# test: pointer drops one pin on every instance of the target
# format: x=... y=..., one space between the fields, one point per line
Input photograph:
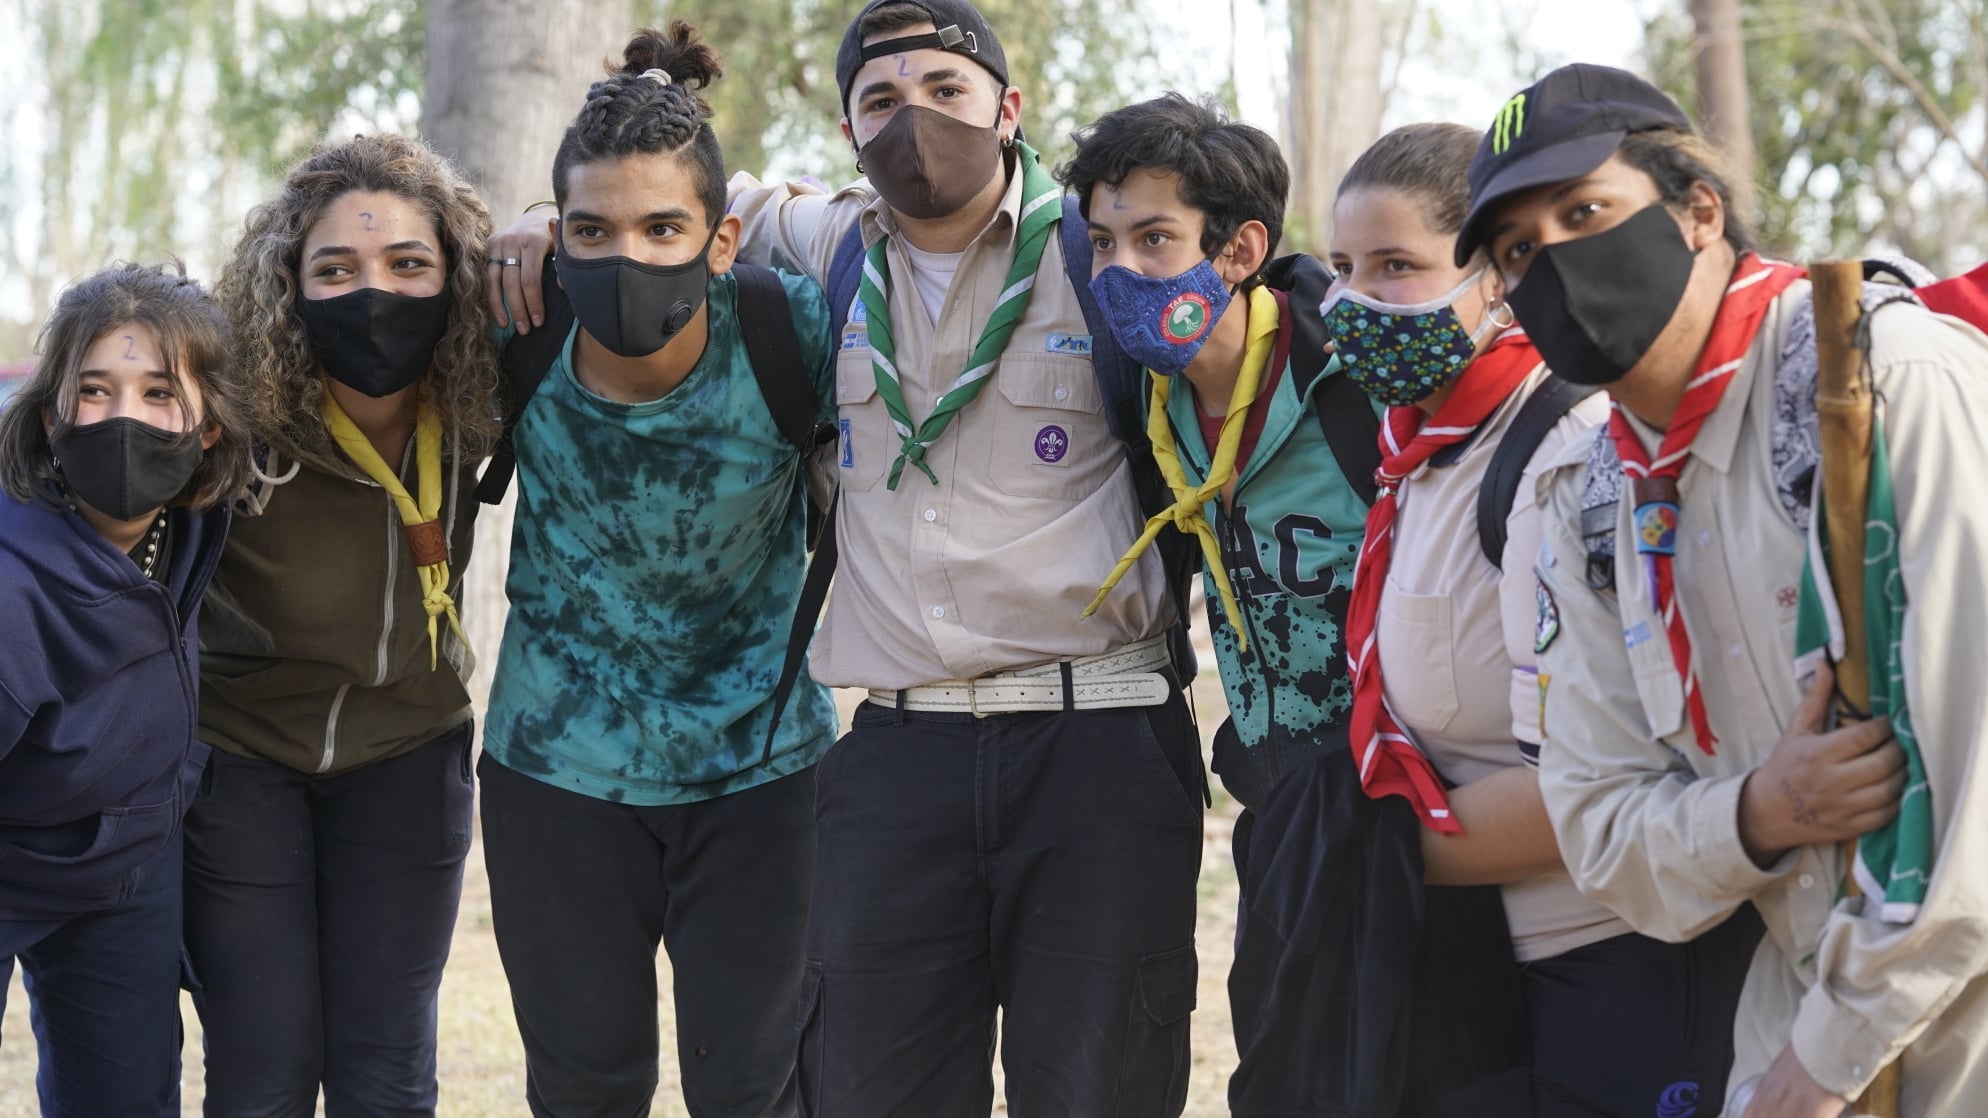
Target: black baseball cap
x=960 y=28
x=1560 y=127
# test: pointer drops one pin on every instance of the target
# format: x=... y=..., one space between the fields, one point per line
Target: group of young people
x=1503 y=510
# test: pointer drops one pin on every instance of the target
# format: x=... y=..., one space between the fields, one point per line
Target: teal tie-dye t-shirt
x=655 y=564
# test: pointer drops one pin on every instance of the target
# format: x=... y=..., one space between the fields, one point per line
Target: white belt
x=1126 y=677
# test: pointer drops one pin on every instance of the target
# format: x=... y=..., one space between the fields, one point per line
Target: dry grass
x=482 y=1064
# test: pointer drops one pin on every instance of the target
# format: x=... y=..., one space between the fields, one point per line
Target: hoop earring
x=1492 y=313
x=1007 y=141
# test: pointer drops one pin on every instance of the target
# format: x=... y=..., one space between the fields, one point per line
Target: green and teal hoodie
x=1290 y=537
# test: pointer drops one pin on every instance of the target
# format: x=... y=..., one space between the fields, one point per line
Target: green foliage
x=777 y=107
x=1854 y=104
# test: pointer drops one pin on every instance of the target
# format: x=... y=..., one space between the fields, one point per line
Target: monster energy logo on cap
x=1511 y=121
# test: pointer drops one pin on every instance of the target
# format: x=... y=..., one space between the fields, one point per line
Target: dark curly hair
x=632 y=112
x=1230 y=171
x=276 y=370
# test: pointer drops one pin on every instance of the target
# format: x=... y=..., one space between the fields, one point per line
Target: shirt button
x=939 y=611
x=1062 y=393
x=931 y=515
x=1736 y=651
x=1704 y=538
x=1807 y=881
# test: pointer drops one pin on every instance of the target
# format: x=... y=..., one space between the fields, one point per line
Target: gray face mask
x=126 y=468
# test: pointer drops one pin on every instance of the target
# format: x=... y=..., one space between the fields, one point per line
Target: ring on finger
x=509 y=262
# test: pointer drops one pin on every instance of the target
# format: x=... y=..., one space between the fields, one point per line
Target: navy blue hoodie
x=99 y=693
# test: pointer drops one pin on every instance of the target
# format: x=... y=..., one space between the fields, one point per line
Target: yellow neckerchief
x=1186 y=513
x=418 y=518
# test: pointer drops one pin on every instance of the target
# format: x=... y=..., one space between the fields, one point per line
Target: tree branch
x=1928 y=104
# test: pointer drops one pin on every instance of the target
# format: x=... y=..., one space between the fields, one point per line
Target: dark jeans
x=581 y=892
x=1044 y=864
x=103 y=999
x=1633 y=1026
x=319 y=913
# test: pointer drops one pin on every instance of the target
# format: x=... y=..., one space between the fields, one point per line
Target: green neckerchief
x=1040 y=213
x=1893 y=861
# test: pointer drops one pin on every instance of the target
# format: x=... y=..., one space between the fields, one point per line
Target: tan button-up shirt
x=1456 y=637
x=987 y=570
x=1649 y=823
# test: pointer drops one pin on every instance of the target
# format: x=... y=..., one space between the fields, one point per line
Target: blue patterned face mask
x=1161 y=323
x=1400 y=354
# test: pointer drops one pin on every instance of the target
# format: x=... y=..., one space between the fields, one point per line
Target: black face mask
x=374 y=341
x=632 y=308
x=126 y=468
x=1594 y=306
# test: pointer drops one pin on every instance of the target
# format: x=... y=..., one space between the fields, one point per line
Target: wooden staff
x=1843 y=406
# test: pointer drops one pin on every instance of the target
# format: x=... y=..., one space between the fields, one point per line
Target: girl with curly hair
x=116 y=461
x=324 y=853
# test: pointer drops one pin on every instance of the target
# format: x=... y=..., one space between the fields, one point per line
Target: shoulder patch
x=1547 y=626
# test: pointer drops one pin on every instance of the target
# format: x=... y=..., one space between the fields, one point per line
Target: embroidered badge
x=856 y=339
x=1656 y=528
x=1787 y=598
x=1636 y=634
x=848 y=445
x=1185 y=318
x=1548 y=625
x=856 y=312
x=1052 y=443
x=1076 y=345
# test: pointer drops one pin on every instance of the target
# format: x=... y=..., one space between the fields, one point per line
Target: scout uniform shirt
x=1458 y=637
x=1648 y=823
x=989 y=569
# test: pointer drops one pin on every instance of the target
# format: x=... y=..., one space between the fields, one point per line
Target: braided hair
x=649 y=104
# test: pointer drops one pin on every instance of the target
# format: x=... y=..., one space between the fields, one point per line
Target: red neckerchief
x=1653 y=484
x=1390 y=764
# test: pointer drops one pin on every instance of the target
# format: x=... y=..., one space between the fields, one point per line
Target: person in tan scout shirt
x=1686 y=772
x=1028 y=841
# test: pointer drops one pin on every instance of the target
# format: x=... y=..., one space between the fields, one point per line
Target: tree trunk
x=1720 y=57
x=504 y=79
x=1336 y=103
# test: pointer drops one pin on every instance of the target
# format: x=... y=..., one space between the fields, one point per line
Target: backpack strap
x=845 y=275
x=1346 y=415
x=1551 y=401
x=807 y=611
x=1121 y=381
x=525 y=361
x=766 y=323
x=777 y=363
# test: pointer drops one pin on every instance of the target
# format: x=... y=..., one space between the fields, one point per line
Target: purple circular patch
x=1052 y=443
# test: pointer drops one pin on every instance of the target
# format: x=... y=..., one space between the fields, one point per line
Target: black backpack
x=785 y=382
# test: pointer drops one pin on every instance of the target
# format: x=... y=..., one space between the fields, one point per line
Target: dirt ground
x=482 y=1065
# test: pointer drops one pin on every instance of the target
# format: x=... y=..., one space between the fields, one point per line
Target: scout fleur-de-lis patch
x=1185 y=318
x=1511 y=121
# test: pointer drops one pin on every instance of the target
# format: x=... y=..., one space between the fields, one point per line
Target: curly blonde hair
x=277 y=373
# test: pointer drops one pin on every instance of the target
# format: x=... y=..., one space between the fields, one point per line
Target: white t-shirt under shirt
x=931 y=276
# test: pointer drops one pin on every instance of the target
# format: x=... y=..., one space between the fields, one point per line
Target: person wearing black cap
x=1686 y=770
x=1014 y=821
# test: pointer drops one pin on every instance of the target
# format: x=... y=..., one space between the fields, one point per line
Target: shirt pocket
x=1417 y=668
x=1049 y=437
x=1657 y=683
x=865 y=441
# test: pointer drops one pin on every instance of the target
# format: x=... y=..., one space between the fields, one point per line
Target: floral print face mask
x=1400 y=354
